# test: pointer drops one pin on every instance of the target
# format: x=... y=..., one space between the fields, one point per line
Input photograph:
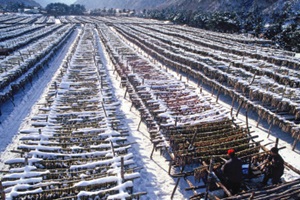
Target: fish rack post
x=177 y=183
x=2 y=191
x=296 y=141
x=209 y=178
x=122 y=169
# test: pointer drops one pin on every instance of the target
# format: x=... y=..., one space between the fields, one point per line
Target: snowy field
x=153 y=173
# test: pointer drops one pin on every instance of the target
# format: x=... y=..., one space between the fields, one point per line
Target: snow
x=107 y=179
x=154 y=177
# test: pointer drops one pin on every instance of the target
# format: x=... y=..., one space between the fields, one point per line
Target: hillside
x=128 y=4
x=266 y=6
x=10 y=3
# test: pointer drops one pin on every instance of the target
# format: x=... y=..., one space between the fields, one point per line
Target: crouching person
x=273 y=168
x=232 y=171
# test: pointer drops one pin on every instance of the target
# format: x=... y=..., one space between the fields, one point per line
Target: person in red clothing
x=274 y=167
x=232 y=170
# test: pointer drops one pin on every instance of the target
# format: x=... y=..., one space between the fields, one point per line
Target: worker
x=273 y=169
x=232 y=171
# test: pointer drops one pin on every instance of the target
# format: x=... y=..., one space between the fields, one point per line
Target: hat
x=230 y=151
x=274 y=150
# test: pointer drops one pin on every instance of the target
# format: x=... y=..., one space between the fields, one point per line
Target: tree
x=76 y=9
x=57 y=9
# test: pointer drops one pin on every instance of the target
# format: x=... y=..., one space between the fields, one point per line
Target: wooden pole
x=139 y=124
x=209 y=178
x=295 y=142
x=122 y=169
x=103 y=109
x=258 y=120
x=152 y=152
x=276 y=142
x=112 y=148
x=269 y=130
x=247 y=121
x=232 y=104
x=240 y=106
x=212 y=91
x=253 y=79
x=218 y=94
x=176 y=185
x=125 y=93
x=2 y=191
x=170 y=167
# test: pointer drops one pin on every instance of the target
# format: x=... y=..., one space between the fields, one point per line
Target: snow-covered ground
x=154 y=178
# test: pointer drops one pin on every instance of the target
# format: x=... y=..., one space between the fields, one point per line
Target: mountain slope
x=265 y=6
x=128 y=4
x=7 y=3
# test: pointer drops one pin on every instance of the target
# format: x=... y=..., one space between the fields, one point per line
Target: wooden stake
x=253 y=79
x=227 y=70
x=240 y=106
x=176 y=185
x=152 y=152
x=122 y=169
x=269 y=130
x=218 y=94
x=295 y=142
x=125 y=93
x=282 y=95
x=276 y=142
x=247 y=121
x=258 y=120
x=103 y=109
x=139 y=124
x=232 y=104
x=2 y=191
x=112 y=148
x=209 y=178
x=131 y=106
x=170 y=167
